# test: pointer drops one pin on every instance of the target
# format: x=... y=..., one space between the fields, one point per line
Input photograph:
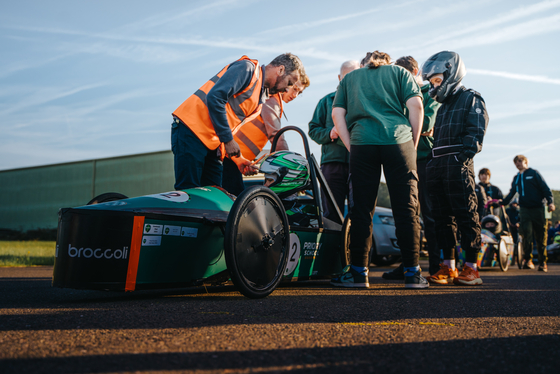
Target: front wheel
x=106 y=197
x=257 y=239
x=503 y=255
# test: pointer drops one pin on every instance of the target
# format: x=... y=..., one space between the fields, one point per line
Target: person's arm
x=318 y=130
x=430 y=114
x=547 y=193
x=234 y=80
x=271 y=113
x=339 y=119
x=476 y=124
x=415 y=116
x=511 y=194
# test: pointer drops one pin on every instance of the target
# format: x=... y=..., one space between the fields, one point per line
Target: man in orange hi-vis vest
x=204 y=125
x=253 y=135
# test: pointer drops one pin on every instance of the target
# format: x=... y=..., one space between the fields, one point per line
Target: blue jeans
x=195 y=165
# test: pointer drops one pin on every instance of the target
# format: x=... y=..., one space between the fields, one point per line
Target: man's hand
x=232 y=149
x=333 y=134
x=551 y=208
x=430 y=132
x=245 y=166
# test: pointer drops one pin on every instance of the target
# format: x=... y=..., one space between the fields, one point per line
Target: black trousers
x=232 y=179
x=336 y=174
x=429 y=223
x=399 y=168
x=451 y=186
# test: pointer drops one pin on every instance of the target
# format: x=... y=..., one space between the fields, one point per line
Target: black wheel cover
x=503 y=255
x=106 y=197
x=257 y=240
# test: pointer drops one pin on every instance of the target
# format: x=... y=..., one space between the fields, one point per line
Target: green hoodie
x=320 y=128
x=425 y=144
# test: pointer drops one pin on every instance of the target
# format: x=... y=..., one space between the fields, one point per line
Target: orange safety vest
x=240 y=108
x=252 y=136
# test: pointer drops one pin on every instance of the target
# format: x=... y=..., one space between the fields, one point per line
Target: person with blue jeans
x=369 y=119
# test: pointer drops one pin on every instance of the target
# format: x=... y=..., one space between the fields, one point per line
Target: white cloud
x=521 y=77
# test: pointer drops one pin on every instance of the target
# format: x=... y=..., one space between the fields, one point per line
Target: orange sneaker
x=468 y=277
x=444 y=276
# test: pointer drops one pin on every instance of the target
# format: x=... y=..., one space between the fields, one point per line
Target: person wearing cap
x=532 y=190
x=334 y=156
x=253 y=135
x=459 y=130
x=204 y=125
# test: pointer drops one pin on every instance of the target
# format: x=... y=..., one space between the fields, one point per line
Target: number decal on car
x=293 y=258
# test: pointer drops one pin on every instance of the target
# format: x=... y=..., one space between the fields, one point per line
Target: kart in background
x=498 y=247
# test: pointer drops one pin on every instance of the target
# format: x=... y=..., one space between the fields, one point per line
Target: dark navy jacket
x=532 y=190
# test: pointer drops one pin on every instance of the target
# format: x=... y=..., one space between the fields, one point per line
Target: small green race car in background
x=202 y=236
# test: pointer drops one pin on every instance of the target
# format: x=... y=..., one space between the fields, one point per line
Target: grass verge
x=27 y=253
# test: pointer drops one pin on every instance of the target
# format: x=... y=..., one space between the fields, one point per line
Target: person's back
x=376 y=100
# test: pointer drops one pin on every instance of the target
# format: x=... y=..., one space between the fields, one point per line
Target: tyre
x=257 y=242
x=503 y=255
x=518 y=253
x=381 y=260
x=106 y=197
x=345 y=245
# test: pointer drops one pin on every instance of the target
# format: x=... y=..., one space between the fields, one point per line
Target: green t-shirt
x=374 y=100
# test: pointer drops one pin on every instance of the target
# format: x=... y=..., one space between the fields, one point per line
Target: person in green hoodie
x=425 y=144
x=334 y=156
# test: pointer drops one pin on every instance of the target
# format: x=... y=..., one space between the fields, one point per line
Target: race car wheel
x=257 y=242
x=345 y=245
x=503 y=255
x=106 y=197
x=518 y=253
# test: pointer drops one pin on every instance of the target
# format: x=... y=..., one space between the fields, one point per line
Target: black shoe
x=395 y=274
x=528 y=264
x=543 y=267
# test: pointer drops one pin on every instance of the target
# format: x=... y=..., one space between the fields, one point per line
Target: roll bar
x=315 y=174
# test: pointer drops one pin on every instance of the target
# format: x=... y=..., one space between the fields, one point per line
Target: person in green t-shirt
x=424 y=149
x=334 y=156
x=368 y=112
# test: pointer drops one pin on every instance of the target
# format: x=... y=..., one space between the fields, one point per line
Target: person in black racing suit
x=460 y=126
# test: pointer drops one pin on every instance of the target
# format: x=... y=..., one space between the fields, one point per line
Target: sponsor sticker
x=293 y=259
x=150 y=228
x=173 y=196
x=311 y=249
x=99 y=253
x=151 y=241
x=172 y=230
x=189 y=232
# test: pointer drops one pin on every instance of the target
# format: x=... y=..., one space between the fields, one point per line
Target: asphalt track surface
x=510 y=324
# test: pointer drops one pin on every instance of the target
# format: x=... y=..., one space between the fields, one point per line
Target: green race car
x=205 y=235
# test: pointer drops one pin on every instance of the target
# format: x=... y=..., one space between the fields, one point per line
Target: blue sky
x=92 y=79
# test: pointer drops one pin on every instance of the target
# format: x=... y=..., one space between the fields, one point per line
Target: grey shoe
x=415 y=281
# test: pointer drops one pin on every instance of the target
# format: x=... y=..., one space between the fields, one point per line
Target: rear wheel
x=106 y=197
x=257 y=240
x=518 y=252
x=503 y=255
x=345 y=245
